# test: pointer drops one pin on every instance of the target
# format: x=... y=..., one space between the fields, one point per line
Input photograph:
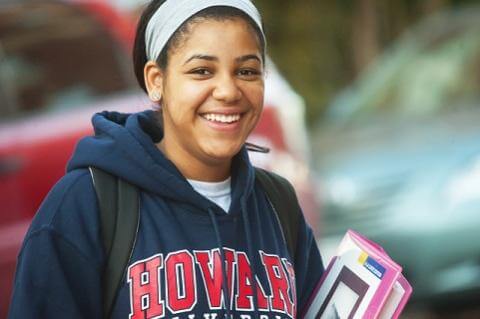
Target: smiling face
x=212 y=96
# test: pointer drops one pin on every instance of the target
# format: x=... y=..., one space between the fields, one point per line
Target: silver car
x=398 y=156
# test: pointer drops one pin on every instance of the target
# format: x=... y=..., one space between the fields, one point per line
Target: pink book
x=361 y=282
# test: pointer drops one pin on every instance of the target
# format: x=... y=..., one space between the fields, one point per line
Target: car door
x=55 y=59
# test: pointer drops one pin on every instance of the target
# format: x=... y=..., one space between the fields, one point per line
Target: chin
x=222 y=152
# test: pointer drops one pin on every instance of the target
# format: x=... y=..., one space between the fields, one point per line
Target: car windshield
x=55 y=56
x=424 y=76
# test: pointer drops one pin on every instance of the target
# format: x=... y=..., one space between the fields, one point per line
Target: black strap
x=119 y=215
x=284 y=201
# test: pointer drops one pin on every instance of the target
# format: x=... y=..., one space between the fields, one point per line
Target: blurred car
x=398 y=157
x=62 y=61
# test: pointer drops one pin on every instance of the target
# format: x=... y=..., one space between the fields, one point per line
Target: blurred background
x=372 y=111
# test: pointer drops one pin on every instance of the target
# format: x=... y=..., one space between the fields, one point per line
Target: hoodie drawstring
x=223 y=262
x=250 y=252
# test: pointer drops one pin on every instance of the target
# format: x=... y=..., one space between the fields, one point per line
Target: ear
x=153 y=77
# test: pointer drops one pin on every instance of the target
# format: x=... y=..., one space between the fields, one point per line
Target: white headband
x=173 y=13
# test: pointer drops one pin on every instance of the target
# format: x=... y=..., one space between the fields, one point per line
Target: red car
x=60 y=62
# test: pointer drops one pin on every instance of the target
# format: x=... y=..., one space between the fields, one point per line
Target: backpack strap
x=285 y=204
x=118 y=202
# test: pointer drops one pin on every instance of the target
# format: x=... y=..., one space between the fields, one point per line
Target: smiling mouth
x=222 y=118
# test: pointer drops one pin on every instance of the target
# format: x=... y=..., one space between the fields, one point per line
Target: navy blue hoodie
x=176 y=267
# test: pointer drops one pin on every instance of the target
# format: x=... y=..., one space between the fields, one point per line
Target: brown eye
x=201 y=72
x=249 y=73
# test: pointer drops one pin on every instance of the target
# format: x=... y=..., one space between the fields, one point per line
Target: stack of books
x=361 y=282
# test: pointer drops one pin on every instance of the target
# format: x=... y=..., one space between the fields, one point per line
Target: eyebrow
x=248 y=57
x=213 y=58
x=201 y=57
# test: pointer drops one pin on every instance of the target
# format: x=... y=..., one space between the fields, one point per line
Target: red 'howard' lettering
x=279 y=284
x=245 y=286
x=210 y=267
x=144 y=281
x=212 y=277
x=293 y=288
x=180 y=281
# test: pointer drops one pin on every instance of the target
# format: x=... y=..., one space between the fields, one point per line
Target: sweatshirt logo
x=179 y=275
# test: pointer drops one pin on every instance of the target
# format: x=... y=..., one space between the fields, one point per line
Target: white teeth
x=222 y=118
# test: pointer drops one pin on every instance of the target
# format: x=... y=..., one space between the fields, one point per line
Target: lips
x=222 y=118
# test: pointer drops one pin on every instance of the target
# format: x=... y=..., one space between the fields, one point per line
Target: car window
x=54 y=55
x=438 y=78
x=436 y=72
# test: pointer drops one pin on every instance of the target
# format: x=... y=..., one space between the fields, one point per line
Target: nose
x=227 y=90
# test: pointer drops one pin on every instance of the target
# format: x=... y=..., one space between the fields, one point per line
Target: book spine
x=381 y=295
x=408 y=291
x=314 y=294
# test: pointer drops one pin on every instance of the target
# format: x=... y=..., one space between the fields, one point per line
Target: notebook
x=360 y=282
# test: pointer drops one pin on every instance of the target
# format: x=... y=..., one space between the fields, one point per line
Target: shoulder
x=72 y=192
x=277 y=188
x=263 y=174
x=70 y=212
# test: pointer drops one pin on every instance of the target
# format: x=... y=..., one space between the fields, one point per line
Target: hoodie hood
x=124 y=145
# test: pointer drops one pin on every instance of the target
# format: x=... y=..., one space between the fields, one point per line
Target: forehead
x=213 y=34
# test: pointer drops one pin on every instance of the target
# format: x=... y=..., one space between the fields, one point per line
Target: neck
x=192 y=167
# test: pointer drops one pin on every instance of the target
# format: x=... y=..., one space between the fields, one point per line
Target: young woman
x=209 y=243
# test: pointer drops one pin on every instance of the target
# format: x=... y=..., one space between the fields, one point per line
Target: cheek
x=184 y=100
x=190 y=91
x=255 y=96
